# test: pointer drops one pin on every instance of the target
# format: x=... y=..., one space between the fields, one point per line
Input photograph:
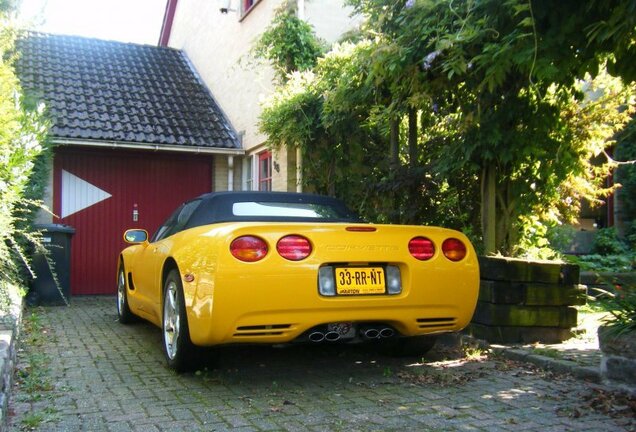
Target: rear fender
x=195 y=255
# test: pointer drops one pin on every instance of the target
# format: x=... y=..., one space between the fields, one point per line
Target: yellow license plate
x=360 y=280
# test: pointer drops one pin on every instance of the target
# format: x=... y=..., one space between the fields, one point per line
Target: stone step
x=514 y=334
x=516 y=270
x=532 y=294
x=533 y=316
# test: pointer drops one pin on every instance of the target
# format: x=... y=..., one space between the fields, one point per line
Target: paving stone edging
x=9 y=331
x=587 y=373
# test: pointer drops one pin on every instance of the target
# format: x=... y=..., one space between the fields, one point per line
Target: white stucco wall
x=218 y=45
x=330 y=18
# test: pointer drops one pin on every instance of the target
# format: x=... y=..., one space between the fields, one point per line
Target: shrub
x=22 y=138
x=604 y=263
x=606 y=242
x=621 y=304
x=561 y=236
x=630 y=235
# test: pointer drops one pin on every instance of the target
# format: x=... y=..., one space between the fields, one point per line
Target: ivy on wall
x=288 y=43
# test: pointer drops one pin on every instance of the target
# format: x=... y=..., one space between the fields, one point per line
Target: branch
x=613 y=161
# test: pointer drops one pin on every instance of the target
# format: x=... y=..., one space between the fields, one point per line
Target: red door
x=103 y=193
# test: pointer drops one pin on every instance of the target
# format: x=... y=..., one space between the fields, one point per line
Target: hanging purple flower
x=427 y=63
x=409 y=4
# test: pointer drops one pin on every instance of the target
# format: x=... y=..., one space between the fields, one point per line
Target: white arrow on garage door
x=78 y=194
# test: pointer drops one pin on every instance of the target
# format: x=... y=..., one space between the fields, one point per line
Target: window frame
x=264 y=178
x=247 y=6
x=249 y=178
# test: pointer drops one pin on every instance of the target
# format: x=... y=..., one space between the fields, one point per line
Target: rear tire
x=124 y=315
x=409 y=346
x=176 y=335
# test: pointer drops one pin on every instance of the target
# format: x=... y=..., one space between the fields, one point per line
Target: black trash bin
x=56 y=238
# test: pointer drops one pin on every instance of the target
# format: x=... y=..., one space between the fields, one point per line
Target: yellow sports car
x=267 y=267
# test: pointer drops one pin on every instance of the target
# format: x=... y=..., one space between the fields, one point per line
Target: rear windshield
x=285 y=209
x=270 y=207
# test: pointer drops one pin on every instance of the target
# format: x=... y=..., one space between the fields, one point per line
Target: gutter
x=152 y=147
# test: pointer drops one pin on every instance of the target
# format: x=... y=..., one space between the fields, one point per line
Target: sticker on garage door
x=78 y=194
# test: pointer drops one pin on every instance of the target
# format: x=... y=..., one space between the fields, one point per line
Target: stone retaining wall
x=526 y=301
x=619 y=357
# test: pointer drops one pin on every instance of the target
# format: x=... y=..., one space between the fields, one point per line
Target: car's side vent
x=262 y=330
x=426 y=323
x=131 y=285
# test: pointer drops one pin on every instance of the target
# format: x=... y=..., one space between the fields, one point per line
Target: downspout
x=166 y=26
x=299 y=170
x=230 y=173
x=300 y=5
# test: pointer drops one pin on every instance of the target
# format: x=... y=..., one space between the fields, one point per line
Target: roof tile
x=105 y=90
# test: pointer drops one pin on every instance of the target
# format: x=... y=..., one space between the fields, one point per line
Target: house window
x=265 y=171
x=248 y=173
x=247 y=5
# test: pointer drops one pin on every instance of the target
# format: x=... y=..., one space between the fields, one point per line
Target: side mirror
x=135 y=236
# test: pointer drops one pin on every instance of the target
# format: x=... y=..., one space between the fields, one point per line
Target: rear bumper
x=291 y=325
x=249 y=304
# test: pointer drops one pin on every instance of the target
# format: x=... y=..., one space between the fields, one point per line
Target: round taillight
x=294 y=247
x=454 y=249
x=248 y=248
x=422 y=248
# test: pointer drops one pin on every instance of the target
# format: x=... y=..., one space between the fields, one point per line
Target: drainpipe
x=166 y=26
x=299 y=170
x=230 y=173
x=299 y=161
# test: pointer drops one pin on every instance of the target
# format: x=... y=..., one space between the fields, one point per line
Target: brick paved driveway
x=109 y=377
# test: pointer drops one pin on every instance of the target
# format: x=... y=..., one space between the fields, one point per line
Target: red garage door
x=103 y=193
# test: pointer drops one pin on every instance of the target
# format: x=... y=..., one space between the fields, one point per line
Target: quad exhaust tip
x=387 y=332
x=332 y=336
x=371 y=333
x=317 y=337
x=377 y=333
x=366 y=333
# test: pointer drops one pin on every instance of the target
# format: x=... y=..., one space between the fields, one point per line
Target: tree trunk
x=331 y=178
x=409 y=217
x=412 y=138
x=489 y=208
x=394 y=144
x=507 y=235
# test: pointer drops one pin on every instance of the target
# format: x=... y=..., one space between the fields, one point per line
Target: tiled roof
x=113 y=91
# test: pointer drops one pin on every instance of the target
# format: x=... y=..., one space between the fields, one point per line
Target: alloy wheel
x=121 y=293
x=171 y=320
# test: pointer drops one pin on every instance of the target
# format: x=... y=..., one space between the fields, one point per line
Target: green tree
x=22 y=138
x=477 y=106
x=512 y=81
x=625 y=153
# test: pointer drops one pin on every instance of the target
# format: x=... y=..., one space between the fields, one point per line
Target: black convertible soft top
x=219 y=207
